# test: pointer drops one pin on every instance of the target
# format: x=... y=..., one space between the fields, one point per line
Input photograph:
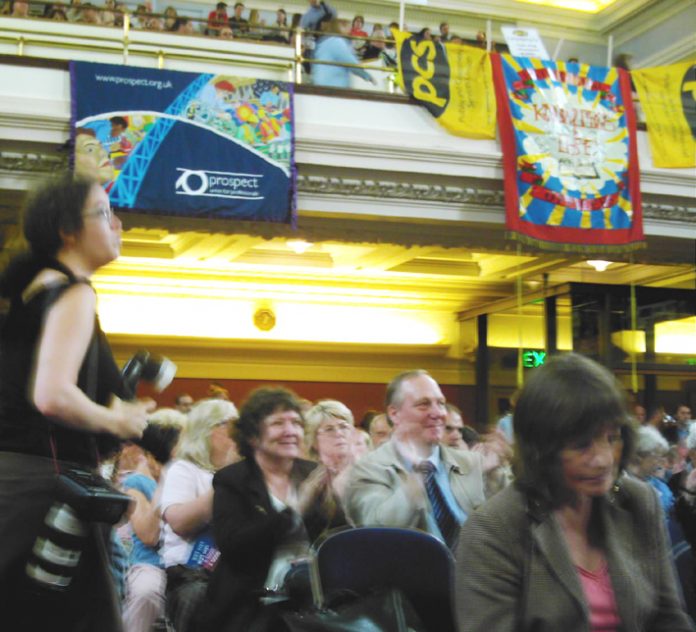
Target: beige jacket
x=375 y=494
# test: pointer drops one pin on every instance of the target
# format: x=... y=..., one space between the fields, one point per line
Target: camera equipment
x=82 y=498
x=157 y=370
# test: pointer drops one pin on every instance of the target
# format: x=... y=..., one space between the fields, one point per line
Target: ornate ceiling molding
x=398 y=190
x=31 y=164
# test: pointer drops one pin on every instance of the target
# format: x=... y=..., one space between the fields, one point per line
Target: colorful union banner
x=668 y=97
x=569 y=155
x=186 y=144
x=453 y=82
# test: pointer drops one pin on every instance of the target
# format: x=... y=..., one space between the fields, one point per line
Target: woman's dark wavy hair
x=51 y=211
x=260 y=403
x=569 y=399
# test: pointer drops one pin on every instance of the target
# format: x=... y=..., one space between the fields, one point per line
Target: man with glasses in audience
x=412 y=480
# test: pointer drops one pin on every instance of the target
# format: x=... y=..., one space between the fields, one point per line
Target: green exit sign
x=532 y=358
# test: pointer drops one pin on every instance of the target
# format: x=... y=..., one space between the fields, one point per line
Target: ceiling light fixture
x=599 y=264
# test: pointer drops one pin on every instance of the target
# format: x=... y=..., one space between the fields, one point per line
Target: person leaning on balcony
x=20 y=9
x=90 y=14
x=357 y=30
x=281 y=31
x=75 y=11
x=376 y=44
x=183 y=26
x=238 y=24
x=60 y=407
x=217 y=19
x=334 y=47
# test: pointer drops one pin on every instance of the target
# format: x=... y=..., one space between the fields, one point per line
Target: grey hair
x=394 y=390
x=649 y=440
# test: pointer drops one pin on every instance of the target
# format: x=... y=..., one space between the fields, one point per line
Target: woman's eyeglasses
x=104 y=212
x=332 y=429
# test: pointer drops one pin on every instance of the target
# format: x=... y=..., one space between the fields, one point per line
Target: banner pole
x=610 y=49
x=402 y=12
x=634 y=329
x=518 y=284
x=489 y=35
x=557 y=52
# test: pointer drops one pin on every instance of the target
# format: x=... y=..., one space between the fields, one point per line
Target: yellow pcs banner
x=668 y=97
x=454 y=82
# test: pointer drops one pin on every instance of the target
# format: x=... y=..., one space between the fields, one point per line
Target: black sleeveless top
x=22 y=427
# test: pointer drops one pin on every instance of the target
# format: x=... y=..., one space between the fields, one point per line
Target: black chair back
x=370 y=558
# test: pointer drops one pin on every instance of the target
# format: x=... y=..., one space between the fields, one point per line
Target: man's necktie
x=444 y=517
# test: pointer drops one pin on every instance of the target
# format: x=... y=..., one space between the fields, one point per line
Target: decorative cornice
x=32 y=163
x=670 y=213
x=398 y=190
x=38 y=163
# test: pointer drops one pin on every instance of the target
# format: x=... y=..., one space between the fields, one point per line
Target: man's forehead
x=421 y=386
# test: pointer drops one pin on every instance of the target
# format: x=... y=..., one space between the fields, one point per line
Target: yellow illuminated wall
x=512 y=331
x=671 y=337
x=234 y=319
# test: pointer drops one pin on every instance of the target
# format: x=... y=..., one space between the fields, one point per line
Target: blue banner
x=186 y=144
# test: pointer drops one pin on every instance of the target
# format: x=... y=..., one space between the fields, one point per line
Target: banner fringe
x=584 y=249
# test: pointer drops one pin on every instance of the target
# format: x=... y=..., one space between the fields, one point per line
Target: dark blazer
x=247 y=530
x=514 y=570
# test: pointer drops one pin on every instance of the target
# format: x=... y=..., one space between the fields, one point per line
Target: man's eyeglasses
x=332 y=429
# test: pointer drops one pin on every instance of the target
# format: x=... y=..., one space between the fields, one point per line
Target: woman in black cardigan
x=257 y=526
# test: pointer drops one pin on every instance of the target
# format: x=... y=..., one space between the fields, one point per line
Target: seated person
x=186 y=504
x=329 y=440
x=257 y=526
x=146 y=579
x=412 y=480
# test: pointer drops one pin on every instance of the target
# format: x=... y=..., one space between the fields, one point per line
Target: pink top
x=604 y=617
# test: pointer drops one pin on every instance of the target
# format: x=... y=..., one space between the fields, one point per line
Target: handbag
x=386 y=610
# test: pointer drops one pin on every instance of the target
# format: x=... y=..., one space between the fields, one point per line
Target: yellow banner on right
x=668 y=97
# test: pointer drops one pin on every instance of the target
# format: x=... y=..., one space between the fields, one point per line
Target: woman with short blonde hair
x=186 y=503
x=196 y=443
x=324 y=411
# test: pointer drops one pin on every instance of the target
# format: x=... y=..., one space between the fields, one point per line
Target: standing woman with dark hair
x=59 y=400
x=572 y=545
x=257 y=528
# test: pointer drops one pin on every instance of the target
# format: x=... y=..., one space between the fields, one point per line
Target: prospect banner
x=186 y=144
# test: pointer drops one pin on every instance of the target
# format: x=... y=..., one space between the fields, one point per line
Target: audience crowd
x=228 y=513
x=333 y=47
